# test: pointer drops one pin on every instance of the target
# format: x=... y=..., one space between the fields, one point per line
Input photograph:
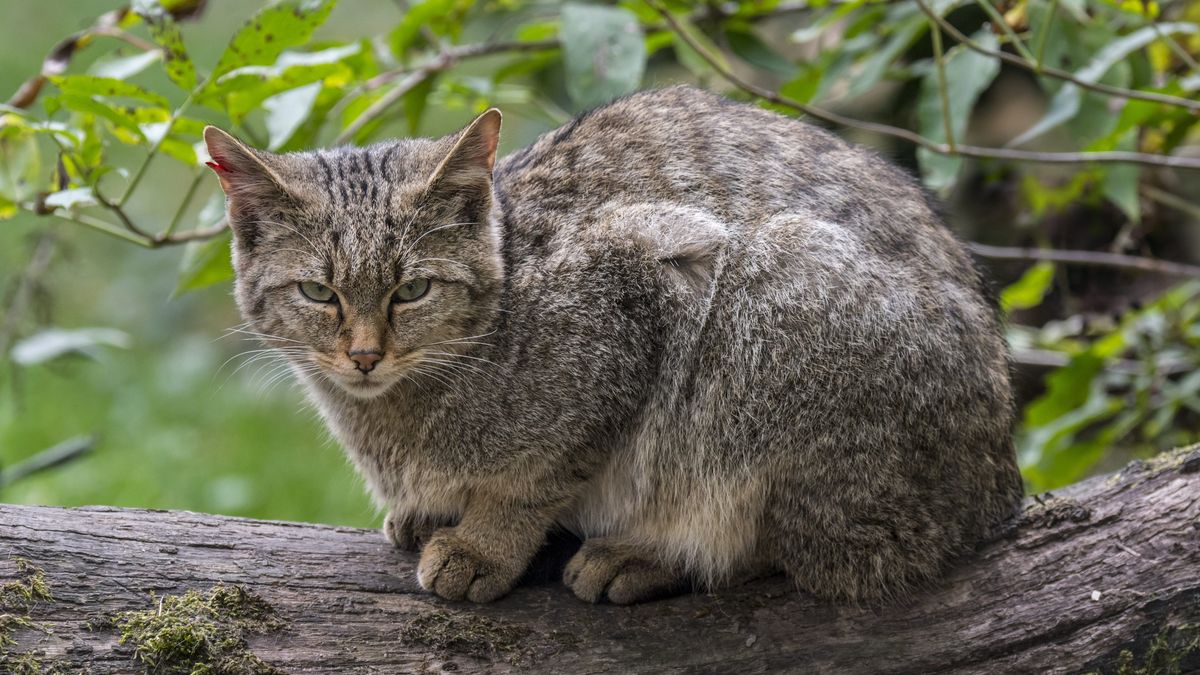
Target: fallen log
x=1103 y=576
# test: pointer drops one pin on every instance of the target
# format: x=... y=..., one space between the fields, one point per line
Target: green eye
x=413 y=290
x=317 y=292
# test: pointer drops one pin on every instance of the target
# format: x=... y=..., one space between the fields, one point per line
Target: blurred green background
x=1106 y=357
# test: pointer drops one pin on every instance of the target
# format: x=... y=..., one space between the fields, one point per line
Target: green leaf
x=877 y=63
x=968 y=75
x=20 y=164
x=166 y=33
x=604 y=53
x=274 y=28
x=415 y=102
x=440 y=16
x=1121 y=181
x=287 y=111
x=55 y=342
x=750 y=48
x=1028 y=291
x=205 y=263
x=1066 y=103
x=107 y=87
x=8 y=209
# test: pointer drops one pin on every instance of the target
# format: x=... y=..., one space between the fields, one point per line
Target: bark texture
x=1103 y=576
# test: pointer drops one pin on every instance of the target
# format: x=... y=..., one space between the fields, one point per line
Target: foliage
x=77 y=152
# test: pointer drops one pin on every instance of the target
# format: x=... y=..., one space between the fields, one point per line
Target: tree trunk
x=1104 y=576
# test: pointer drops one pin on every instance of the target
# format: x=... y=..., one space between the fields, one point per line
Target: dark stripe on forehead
x=372 y=178
x=326 y=176
x=341 y=179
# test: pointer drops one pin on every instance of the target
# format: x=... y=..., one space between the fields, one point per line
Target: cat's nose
x=365 y=359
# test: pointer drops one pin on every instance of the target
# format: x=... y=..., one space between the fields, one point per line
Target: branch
x=915 y=138
x=445 y=60
x=1015 y=60
x=1100 y=574
x=1090 y=258
x=59 y=58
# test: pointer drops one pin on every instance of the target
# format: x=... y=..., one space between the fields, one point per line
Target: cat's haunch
x=710 y=340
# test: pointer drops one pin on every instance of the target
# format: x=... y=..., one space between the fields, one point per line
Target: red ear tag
x=215 y=166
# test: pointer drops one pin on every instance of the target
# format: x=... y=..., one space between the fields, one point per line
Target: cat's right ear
x=246 y=174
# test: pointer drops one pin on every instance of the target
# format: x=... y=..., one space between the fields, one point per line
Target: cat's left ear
x=468 y=165
x=246 y=174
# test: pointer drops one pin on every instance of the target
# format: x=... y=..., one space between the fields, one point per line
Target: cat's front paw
x=408 y=532
x=455 y=569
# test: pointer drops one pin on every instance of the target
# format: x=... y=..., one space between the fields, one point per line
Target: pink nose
x=365 y=360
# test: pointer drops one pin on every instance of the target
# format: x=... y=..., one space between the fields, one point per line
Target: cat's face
x=366 y=266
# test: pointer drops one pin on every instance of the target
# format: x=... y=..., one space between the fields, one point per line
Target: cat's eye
x=317 y=292
x=413 y=290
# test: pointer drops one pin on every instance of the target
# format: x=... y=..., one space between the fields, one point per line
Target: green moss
x=1165 y=653
x=467 y=634
x=200 y=634
x=28 y=589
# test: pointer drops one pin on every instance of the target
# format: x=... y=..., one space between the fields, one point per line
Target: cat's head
x=359 y=264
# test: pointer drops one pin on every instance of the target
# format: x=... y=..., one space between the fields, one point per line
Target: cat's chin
x=365 y=388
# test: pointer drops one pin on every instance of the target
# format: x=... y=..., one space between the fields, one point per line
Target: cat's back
x=742 y=164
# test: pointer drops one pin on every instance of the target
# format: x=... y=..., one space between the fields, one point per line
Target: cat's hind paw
x=619 y=573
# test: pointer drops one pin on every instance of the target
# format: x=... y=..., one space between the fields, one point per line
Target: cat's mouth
x=365 y=386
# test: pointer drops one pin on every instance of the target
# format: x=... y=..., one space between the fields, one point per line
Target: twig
x=1092 y=258
x=917 y=139
x=943 y=88
x=183 y=205
x=49 y=458
x=1172 y=200
x=1055 y=72
x=119 y=212
x=999 y=21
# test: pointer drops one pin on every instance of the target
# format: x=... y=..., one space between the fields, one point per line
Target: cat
x=710 y=340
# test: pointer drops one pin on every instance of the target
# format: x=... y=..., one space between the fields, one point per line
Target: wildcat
x=710 y=340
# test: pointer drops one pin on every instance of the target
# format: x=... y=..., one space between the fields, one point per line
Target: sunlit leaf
x=1028 y=291
x=123 y=67
x=603 y=51
x=71 y=199
x=287 y=111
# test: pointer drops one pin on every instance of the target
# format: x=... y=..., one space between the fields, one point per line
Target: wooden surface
x=1104 y=566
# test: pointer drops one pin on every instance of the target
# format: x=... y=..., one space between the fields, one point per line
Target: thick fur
x=710 y=340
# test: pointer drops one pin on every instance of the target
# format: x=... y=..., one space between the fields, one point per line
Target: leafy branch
x=718 y=65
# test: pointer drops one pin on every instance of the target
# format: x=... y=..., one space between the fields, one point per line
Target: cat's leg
x=484 y=556
x=622 y=572
x=409 y=531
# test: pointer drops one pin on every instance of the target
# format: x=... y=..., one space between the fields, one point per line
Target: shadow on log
x=1104 y=576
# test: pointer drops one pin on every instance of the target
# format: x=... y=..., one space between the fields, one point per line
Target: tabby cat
x=710 y=340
